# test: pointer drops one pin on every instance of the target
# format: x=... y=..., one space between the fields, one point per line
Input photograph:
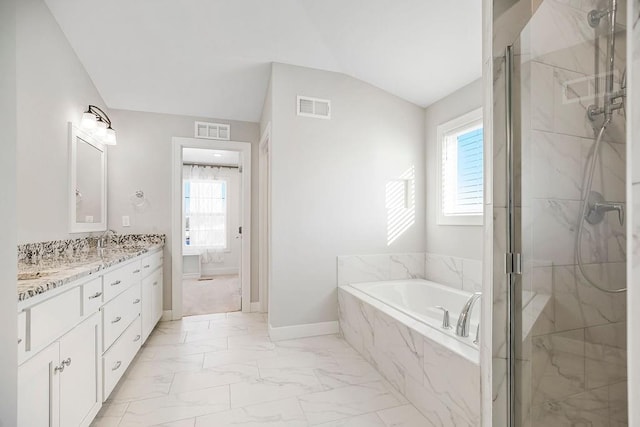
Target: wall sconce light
x=97 y=121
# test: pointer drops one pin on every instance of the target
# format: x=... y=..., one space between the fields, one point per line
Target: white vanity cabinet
x=76 y=341
x=61 y=385
x=151 y=292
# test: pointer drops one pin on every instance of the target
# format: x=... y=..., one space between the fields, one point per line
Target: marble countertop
x=35 y=278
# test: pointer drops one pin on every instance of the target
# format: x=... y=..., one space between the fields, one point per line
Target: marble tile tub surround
x=442 y=384
x=459 y=273
x=56 y=263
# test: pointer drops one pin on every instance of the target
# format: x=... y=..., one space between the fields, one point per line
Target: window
x=205 y=213
x=460 y=174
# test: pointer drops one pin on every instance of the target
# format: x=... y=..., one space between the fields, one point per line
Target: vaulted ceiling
x=212 y=57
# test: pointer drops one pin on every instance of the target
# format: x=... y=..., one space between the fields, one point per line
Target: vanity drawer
x=151 y=262
x=119 y=356
x=50 y=319
x=92 y=296
x=118 y=313
x=118 y=280
x=22 y=335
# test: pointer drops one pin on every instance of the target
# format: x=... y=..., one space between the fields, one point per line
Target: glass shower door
x=565 y=216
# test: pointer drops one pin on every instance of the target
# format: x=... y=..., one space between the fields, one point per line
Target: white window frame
x=443 y=130
x=191 y=250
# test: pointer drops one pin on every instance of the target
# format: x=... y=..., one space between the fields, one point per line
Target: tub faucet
x=464 y=321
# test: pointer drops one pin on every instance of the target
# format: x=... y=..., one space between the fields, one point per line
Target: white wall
x=53 y=88
x=329 y=179
x=142 y=161
x=454 y=240
x=8 y=298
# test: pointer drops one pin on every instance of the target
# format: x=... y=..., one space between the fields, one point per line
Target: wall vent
x=213 y=131
x=314 y=107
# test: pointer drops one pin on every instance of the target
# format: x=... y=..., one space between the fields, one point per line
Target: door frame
x=264 y=217
x=244 y=149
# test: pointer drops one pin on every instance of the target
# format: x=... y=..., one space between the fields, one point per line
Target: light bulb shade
x=101 y=129
x=89 y=121
x=110 y=137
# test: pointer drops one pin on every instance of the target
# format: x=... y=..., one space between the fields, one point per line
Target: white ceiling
x=210 y=157
x=211 y=57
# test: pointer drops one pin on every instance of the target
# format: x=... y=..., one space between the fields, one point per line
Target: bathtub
x=396 y=326
x=419 y=300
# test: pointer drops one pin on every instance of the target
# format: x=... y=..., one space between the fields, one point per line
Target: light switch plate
x=125 y=221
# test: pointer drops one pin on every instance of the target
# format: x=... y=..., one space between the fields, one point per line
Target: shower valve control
x=597 y=207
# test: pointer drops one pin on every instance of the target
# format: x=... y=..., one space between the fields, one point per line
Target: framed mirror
x=87 y=182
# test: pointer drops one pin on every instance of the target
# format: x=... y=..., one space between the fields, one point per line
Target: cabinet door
x=80 y=382
x=148 y=312
x=157 y=297
x=38 y=387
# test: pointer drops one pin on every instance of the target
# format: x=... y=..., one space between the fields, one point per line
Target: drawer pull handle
x=136 y=271
x=67 y=362
x=147 y=266
x=19 y=340
x=116 y=320
x=59 y=368
x=136 y=301
x=155 y=283
x=117 y=365
x=96 y=295
x=117 y=282
x=137 y=338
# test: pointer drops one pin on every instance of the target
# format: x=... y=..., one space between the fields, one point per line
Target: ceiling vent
x=314 y=107
x=213 y=131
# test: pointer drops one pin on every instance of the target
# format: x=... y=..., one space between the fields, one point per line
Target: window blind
x=470 y=171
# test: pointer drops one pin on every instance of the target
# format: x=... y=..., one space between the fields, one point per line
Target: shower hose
x=583 y=211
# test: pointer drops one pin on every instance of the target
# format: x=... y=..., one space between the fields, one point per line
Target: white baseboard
x=166 y=316
x=255 y=307
x=301 y=331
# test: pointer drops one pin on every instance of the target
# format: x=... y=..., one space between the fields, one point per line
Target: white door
x=38 y=389
x=80 y=381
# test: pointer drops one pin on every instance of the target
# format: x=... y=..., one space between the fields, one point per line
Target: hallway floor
x=223 y=370
x=218 y=294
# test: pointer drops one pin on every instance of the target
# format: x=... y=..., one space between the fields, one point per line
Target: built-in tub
x=420 y=299
x=397 y=326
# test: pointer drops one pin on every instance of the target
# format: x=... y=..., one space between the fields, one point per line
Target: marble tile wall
x=379 y=267
x=456 y=272
x=442 y=385
x=573 y=352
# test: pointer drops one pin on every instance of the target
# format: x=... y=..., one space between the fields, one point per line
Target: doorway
x=211 y=231
x=211 y=196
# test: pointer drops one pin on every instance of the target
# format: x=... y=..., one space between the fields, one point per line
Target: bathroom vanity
x=81 y=320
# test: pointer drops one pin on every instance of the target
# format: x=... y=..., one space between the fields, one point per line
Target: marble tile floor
x=223 y=370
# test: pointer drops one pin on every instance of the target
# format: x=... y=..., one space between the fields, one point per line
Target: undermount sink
x=34 y=275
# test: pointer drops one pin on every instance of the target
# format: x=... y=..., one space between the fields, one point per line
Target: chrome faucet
x=102 y=240
x=598 y=206
x=464 y=321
